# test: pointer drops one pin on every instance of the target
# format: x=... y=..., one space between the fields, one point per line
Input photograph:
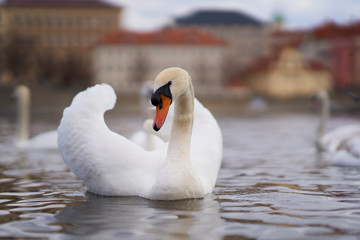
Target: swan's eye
x=170 y=82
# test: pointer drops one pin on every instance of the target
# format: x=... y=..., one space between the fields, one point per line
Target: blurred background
x=255 y=64
x=265 y=51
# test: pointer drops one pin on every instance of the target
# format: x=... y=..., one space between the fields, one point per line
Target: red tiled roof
x=323 y=31
x=331 y=29
x=59 y=3
x=260 y=64
x=172 y=36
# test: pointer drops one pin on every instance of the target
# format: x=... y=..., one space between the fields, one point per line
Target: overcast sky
x=149 y=15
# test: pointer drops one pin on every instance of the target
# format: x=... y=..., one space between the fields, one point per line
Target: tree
x=19 y=57
x=47 y=67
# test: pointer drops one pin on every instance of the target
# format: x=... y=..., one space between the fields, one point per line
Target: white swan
x=340 y=143
x=147 y=138
x=46 y=140
x=111 y=165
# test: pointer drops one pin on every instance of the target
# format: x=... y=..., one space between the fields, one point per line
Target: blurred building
x=125 y=59
x=57 y=27
x=335 y=46
x=286 y=74
x=246 y=35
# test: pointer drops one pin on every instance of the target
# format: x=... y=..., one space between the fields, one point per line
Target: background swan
x=146 y=137
x=109 y=164
x=342 y=143
x=46 y=140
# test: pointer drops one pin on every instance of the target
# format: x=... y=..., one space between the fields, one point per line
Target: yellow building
x=286 y=75
x=58 y=28
x=59 y=23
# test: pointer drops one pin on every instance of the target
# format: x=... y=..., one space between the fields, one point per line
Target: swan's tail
x=81 y=123
x=97 y=99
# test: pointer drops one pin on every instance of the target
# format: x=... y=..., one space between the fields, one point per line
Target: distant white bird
x=109 y=164
x=343 y=143
x=146 y=137
x=46 y=140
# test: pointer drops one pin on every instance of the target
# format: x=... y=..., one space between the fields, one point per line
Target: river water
x=272 y=185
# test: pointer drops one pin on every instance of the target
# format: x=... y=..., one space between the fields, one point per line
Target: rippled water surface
x=272 y=185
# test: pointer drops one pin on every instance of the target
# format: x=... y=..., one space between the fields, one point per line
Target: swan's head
x=321 y=95
x=168 y=86
x=22 y=92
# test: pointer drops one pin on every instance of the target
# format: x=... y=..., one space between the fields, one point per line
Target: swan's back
x=332 y=140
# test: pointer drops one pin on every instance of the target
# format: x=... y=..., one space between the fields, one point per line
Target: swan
x=110 y=165
x=147 y=138
x=46 y=140
x=343 y=143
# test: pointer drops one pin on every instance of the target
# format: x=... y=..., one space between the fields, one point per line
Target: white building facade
x=125 y=59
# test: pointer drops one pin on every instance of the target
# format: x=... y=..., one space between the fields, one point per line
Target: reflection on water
x=272 y=185
x=131 y=217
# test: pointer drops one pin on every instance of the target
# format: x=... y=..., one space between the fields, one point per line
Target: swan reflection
x=122 y=217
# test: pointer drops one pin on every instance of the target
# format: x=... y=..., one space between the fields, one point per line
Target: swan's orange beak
x=161 y=112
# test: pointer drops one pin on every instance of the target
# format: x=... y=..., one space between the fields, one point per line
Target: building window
x=79 y=40
x=69 y=21
x=59 y=21
x=38 y=21
x=29 y=20
x=59 y=40
x=69 y=40
x=109 y=22
x=17 y=20
x=49 y=21
x=79 y=22
x=49 y=40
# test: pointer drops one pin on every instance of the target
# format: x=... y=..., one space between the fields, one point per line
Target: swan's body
x=109 y=164
x=343 y=143
x=47 y=140
x=348 y=153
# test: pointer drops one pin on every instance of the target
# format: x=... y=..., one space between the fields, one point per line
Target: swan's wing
x=348 y=153
x=107 y=162
x=331 y=141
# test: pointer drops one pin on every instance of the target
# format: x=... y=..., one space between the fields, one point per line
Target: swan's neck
x=325 y=111
x=22 y=128
x=179 y=144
